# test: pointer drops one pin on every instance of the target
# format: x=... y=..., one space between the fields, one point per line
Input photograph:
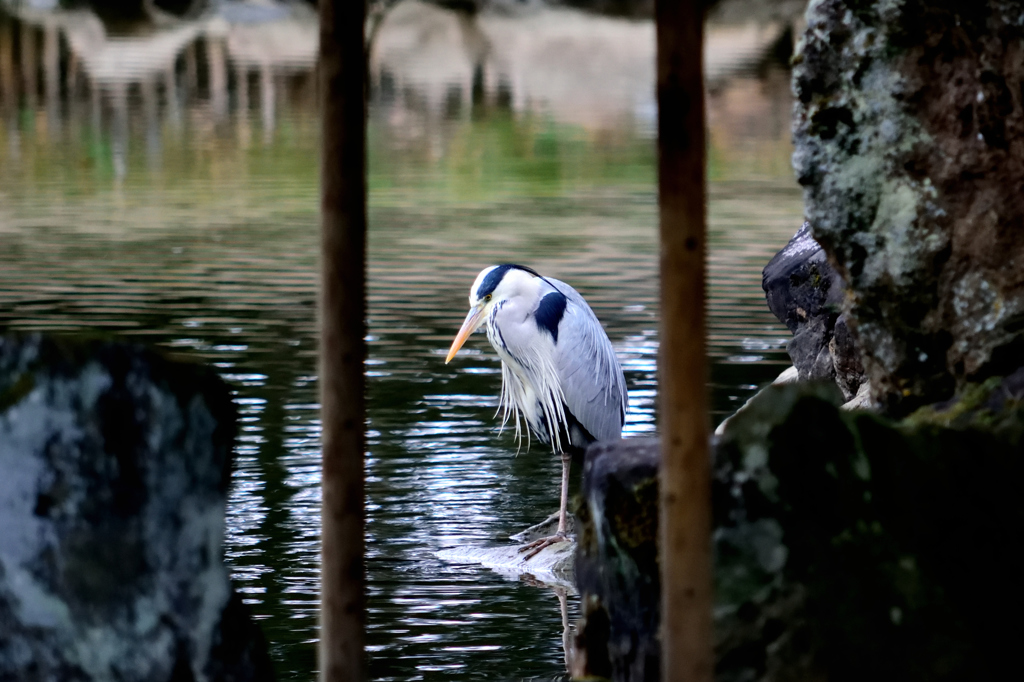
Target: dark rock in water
x=847 y=546
x=908 y=142
x=617 y=563
x=806 y=293
x=115 y=464
x=800 y=285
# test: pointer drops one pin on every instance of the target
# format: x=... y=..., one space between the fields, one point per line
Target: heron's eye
x=487 y=297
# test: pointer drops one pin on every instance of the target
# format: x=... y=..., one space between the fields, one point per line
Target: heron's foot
x=537 y=545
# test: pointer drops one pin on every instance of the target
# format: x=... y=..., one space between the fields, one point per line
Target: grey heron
x=558 y=368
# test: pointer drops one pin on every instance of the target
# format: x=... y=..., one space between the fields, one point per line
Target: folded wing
x=592 y=383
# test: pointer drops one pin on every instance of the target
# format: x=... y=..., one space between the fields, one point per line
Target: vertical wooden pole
x=8 y=80
x=268 y=100
x=171 y=93
x=191 y=71
x=217 y=63
x=119 y=130
x=51 y=78
x=29 y=66
x=686 y=626
x=342 y=71
x=241 y=92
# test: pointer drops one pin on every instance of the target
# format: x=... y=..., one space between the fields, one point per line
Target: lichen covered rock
x=908 y=133
x=899 y=543
x=847 y=546
x=115 y=465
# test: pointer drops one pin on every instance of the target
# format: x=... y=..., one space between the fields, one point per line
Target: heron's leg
x=563 y=510
x=536 y=546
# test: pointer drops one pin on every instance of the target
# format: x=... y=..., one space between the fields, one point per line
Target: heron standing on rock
x=558 y=368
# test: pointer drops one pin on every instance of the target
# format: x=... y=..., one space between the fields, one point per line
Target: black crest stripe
x=494 y=277
x=492 y=280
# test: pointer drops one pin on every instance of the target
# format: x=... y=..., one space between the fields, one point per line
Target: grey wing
x=590 y=375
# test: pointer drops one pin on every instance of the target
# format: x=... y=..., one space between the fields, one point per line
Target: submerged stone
x=553 y=565
x=115 y=464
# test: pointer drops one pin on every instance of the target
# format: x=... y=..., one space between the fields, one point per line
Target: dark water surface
x=175 y=213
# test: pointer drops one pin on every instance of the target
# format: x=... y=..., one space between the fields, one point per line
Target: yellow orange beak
x=473 y=320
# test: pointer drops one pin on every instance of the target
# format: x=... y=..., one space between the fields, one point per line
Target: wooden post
x=342 y=71
x=191 y=72
x=29 y=66
x=685 y=542
x=171 y=93
x=268 y=99
x=51 y=79
x=8 y=81
x=217 y=63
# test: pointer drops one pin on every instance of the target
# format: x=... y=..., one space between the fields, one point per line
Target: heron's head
x=492 y=286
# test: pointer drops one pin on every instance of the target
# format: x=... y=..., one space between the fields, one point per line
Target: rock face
x=806 y=294
x=887 y=555
x=617 y=563
x=115 y=469
x=908 y=131
x=891 y=552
